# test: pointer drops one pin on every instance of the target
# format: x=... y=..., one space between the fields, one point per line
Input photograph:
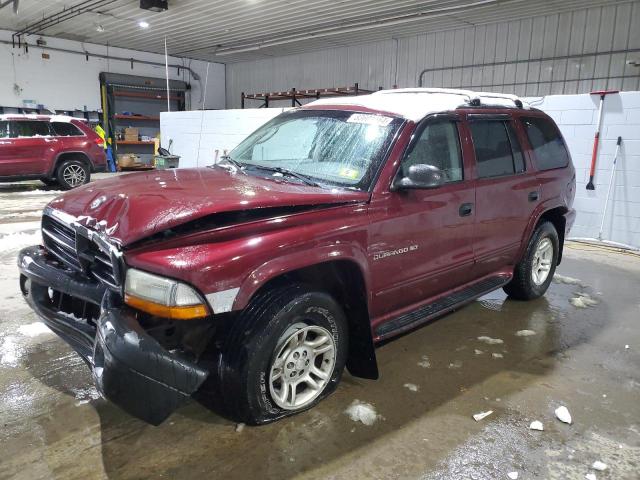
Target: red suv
x=332 y=227
x=58 y=150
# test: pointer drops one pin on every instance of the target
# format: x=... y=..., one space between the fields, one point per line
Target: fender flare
x=540 y=210
x=362 y=357
x=56 y=161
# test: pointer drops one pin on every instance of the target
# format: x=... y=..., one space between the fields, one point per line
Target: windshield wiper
x=290 y=173
x=235 y=163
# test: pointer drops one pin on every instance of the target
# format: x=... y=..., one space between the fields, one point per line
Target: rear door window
x=549 y=149
x=497 y=150
x=4 y=129
x=65 y=129
x=30 y=128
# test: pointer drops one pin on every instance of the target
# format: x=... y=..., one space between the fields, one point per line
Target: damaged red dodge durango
x=254 y=282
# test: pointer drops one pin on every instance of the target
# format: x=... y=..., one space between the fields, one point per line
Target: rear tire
x=272 y=363
x=533 y=275
x=72 y=173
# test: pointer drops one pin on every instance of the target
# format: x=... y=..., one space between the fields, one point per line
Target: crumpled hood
x=134 y=206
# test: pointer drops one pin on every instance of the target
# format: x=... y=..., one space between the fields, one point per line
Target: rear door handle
x=465 y=209
x=534 y=196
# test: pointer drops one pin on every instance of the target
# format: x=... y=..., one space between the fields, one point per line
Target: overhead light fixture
x=143 y=24
x=154 y=5
x=99 y=28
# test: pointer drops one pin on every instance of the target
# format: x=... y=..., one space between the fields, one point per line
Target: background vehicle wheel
x=284 y=354
x=72 y=174
x=532 y=276
x=49 y=182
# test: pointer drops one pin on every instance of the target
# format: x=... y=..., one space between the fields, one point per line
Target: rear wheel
x=72 y=173
x=532 y=276
x=285 y=353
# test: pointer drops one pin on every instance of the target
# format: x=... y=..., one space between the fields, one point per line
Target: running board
x=441 y=305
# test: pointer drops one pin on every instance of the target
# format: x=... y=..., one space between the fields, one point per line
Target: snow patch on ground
x=557 y=278
x=598 y=465
x=240 y=427
x=479 y=416
x=513 y=475
x=412 y=387
x=491 y=341
x=15 y=241
x=27 y=214
x=40 y=192
x=583 y=300
x=9 y=352
x=34 y=329
x=85 y=395
x=562 y=414
x=497 y=355
x=478 y=352
x=536 y=425
x=424 y=363
x=362 y=412
x=455 y=365
x=525 y=333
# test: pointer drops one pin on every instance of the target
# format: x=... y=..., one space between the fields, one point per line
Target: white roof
x=416 y=103
x=37 y=116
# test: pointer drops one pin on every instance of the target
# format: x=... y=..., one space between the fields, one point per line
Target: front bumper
x=129 y=367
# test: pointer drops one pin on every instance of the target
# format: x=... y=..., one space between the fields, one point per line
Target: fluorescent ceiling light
x=143 y=24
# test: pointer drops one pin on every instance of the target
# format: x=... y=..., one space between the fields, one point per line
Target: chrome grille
x=60 y=240
x=75 y=248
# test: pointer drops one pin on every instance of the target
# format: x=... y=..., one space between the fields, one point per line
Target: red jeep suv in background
x=58 y=150
x=334 y=226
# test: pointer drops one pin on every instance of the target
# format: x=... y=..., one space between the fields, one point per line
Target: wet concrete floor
x=586 y=356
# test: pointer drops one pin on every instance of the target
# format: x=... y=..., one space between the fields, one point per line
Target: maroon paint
x=37 y=156
x=351 y=226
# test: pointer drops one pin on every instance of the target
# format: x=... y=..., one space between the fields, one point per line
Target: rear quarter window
x=65 y=129
x=549 y=149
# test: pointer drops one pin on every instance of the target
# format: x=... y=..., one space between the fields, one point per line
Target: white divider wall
x=221 y=130
x=576 y=115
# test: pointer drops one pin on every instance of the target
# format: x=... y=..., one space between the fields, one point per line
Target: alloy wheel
x=303 y=364
x=74 y=175
x=541 y=262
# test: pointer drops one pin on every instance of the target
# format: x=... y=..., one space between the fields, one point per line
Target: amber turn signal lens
x=189 y=312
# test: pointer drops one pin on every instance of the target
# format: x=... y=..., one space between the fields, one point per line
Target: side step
x=441 y=305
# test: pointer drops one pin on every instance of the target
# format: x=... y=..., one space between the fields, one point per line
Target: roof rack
x=473 y=98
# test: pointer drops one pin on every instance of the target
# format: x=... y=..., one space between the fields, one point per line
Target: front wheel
x=72 y=173
x=532 y=275
x=285 y=353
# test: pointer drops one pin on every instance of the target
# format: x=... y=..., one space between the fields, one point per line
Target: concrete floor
x=53 y=425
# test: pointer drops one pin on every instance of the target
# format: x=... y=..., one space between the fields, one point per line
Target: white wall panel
x=471 y=57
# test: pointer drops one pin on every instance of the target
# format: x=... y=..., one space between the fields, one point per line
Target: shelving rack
x=293 y=95
x=144 y=98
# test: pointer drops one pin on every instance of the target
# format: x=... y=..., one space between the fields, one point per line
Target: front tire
x=533 y=274
x=284 y=354
x=72 y=173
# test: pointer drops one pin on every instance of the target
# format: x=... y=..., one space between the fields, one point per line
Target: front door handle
x=534 y=196
x=465 y=209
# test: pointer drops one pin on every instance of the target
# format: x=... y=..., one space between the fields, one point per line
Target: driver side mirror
x=419 y=176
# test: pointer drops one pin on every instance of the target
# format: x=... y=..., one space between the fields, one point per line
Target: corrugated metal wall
x=573 y=52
